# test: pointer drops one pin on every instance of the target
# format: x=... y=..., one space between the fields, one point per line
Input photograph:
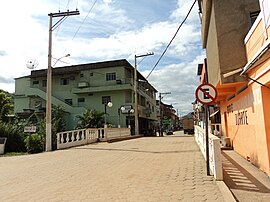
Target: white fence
x=86 y=136
x=214 y=151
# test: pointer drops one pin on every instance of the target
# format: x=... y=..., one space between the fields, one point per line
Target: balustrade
x=86 y=136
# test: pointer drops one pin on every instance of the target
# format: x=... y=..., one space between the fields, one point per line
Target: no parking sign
x=206 y=93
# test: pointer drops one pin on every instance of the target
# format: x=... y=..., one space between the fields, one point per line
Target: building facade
x=243 y=82
x=89 y=86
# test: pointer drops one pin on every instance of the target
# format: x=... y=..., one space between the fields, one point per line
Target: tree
x=90 y=119
x=58 y=118
x=6 y=106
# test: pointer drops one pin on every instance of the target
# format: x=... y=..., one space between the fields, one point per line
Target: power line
x=172 y=39
x=84 y=19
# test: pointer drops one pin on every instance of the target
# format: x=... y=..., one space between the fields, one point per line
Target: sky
x=106 y=30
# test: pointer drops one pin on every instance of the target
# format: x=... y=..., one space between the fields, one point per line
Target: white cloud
x=109 y=32
x=181 y=80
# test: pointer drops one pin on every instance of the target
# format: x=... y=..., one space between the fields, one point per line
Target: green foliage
x=58 y=114
x=6 y=106
x=90 y=119
x=15 y=137
x=34 y=143
x=58 y=123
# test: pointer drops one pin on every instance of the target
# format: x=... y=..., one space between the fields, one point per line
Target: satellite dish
x=32 y=64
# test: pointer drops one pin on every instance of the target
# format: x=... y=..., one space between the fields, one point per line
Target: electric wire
x=84 y=19
x=167 y=47
x=67 y=4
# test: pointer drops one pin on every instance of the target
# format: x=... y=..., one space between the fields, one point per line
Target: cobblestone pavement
x=146 y=169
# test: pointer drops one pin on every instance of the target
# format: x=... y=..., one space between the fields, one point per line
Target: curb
x=123 y=138
x=226 y=193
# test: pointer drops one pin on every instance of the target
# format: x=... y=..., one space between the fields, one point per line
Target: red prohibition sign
x=206 y=93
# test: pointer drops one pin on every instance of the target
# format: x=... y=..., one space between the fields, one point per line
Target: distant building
x=88 y=86
x=167 y=117
x=236 y=38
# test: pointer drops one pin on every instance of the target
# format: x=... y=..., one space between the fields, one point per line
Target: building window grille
x=142 y=101
x=110 y=76
x=106 y=99
x=64 y=81
x=68 y=101
x=253 y=16
x=81 y=102
x=44 y=83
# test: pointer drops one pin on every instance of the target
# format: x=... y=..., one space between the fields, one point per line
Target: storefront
x=245 y=113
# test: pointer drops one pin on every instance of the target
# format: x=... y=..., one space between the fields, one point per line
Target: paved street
x=146 y=169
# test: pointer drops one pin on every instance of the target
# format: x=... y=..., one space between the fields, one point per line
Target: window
x=35 y=82
x=91 y=74
x=81 y=75
x=64 y=81
x=253 y=16
x=106 y=99
x=142 y=101
x=68 y=101
x=81 y=101
x=110 y=76
x=44 y=83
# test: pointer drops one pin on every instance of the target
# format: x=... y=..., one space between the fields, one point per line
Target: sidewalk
x=147 y=169
x=246 y=182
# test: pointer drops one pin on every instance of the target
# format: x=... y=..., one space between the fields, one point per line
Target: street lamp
x=120 y=109
x=130 y=111
x=136 y=116
x=59 y=59
x=49 y=105
x=109 y=104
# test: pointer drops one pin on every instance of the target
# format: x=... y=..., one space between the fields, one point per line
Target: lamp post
x=120 y=109
x=130 y=111
x=136 y=116
x=63 y=15
x=109 y=104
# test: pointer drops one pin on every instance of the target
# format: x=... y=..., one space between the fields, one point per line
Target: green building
x=89 y=86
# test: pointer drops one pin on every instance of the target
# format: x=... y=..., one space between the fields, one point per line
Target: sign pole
x=207 y=139
x=206 y=94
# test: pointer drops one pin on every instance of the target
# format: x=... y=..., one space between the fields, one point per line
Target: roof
x=81 y=67
x=87 y=66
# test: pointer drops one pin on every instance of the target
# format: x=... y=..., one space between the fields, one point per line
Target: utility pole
x=63 y=15
x=136 y=115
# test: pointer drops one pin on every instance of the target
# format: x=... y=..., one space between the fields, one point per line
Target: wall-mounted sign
x=30 y=129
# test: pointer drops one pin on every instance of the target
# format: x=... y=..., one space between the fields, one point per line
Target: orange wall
x=246 y=126
x=266 y=108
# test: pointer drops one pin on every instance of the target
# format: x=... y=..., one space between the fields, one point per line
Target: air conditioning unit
x=83 y=84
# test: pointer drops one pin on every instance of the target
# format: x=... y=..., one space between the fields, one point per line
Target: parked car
x=169 y=131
